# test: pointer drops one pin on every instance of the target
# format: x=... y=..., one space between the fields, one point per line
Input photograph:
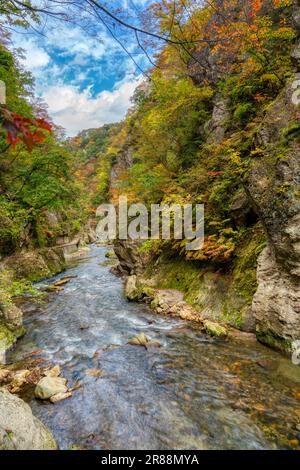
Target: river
x=193 y=392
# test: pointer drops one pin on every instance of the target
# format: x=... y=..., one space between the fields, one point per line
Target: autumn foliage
x=28 y=130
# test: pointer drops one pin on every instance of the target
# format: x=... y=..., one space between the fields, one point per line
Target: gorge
x=156 y=346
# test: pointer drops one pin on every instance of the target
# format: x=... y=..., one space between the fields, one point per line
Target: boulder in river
x=139 y=340
x=19 y=429
x=143 y=340
x=131 y=290
x=50 y=386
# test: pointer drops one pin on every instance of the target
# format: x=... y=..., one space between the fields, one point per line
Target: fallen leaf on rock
x=60 y=396
x=259 y=407
x=19 y=379
x=35 y=376
x=94 y=372
x=296 y=392
x=4 y=374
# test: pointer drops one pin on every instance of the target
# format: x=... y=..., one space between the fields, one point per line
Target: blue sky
x=82 y=74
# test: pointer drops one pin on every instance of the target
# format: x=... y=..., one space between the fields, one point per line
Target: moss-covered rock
x=215 y=329
x=137 y=288
x=36 y=265
x=273 y=341
x=8 y=338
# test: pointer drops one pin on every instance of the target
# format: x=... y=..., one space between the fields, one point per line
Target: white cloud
x=35 y=57
x=75 y=110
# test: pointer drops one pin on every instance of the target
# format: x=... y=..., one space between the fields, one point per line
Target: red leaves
x=27 y=130
x=256 y=7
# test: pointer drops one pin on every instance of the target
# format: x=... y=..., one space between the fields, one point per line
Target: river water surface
x=191 y=393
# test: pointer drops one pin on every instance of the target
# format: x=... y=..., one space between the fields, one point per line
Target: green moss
x=174 y=274
x=21 y=287
x=36 y=265
x=291 y=133
x=244 y=276
x=7 y=337
x=274 y=341
x=215 y=329
x=243 y=112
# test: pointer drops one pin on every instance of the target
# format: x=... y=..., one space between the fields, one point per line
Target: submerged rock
x=19 y=429
x=50 y=386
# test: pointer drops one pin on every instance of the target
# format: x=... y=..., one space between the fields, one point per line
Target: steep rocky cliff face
x=273 y=187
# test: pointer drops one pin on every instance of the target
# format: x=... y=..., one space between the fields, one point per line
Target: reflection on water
x=192 y=393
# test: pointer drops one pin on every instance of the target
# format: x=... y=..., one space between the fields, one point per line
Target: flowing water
x=191 y=393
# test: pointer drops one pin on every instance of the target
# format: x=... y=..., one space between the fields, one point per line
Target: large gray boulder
x=19 y=429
